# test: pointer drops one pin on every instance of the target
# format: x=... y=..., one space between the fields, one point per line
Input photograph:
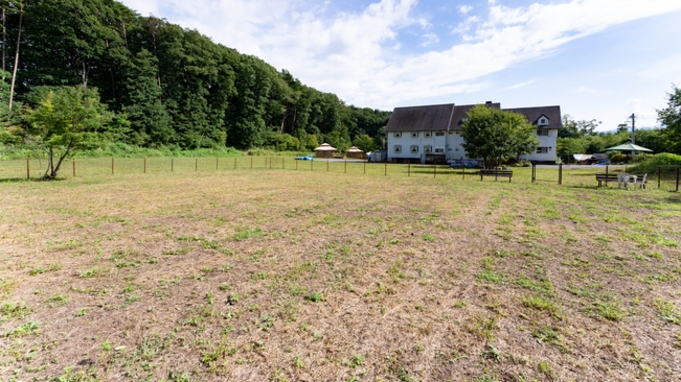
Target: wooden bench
x=612 y=178
x=496 y=174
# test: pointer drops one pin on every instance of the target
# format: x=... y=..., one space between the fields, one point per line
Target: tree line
x=166 y=85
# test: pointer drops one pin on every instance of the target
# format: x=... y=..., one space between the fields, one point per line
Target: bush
x=651 y=164
x=617 y=158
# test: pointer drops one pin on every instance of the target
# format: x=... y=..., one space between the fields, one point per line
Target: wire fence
x=666 y=177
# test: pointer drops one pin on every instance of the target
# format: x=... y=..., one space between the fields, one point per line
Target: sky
x=597 y=59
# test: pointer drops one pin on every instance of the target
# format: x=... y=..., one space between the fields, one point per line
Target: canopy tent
x=629 y=147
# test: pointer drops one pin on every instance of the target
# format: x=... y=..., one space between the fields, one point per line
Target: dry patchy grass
x=284 y=275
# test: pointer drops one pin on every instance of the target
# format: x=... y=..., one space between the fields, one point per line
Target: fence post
x=534 y=172
x=345 y=166
x=312 y=165
x=112 y=166
x=282 y=163
x=496 y=174
x=434 y=169
x=216 y=163
x=296 y=164
x=235 y=163
x=145 y=165
x=74 y=168
x=365 y=166
x=560 y=174
x=606 y=175
x=386 y=168
x=463 y=172
x=251 y=163
x=327 y=165
x=28 y=169
x=677 y=179
x=196 y=164
x=172 y=164
x=659 y=175
x=408 y=167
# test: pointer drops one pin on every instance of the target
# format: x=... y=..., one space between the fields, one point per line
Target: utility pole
x=633 y=128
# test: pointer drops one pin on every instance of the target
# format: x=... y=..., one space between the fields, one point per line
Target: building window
x=427 y=134
x=451 y=132
x=439 y=150
x=415 y=134
x=543 y=133
x=398 y=135
x=439 y=133
x=398 y=148
x=428 y=149
x=542 y=150
x=543 y=121
x=414 y=149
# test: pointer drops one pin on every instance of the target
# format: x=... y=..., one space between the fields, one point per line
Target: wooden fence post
x=386 y=168
x=312 y=165
x=408 y=167
x=28 y=168
x=251 y=163
x=282 y=163
x=463 y=172
x=345 y=170
x=74 y=168
x=677 y=179
x=434 y=169
x=534 y=172
x=145 y=165
x=216 y=163
x=327 y=165
x=365 y=166
x=606 y=175
x=196 y=164
x=560 y=174
x=659 y=175
x=112 y=166
x=296 y=164
x=172 y=164
x=235 y=163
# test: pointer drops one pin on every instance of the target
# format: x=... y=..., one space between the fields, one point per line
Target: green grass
x=288 y=274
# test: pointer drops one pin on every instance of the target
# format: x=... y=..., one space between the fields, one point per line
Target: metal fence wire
x=666 y=177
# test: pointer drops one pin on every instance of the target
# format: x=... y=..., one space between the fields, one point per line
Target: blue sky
x=597 y=59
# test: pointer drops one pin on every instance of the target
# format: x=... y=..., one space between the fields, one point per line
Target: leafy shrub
x=651 y=164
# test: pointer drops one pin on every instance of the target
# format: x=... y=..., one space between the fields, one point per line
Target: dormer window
x=427 y=134
x=543 y=121
x=398 y=135
x=415 y=134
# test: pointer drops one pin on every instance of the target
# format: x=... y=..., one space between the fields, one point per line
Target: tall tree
x=66 y=120
x=670 y=117
x=497 y=135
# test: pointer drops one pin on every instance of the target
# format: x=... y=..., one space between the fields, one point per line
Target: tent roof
x=325 y=147
x=628 y=147
x=354 y=149
x=582 y=157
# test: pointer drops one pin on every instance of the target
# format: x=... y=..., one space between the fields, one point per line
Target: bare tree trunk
x=84 y=75
x=16 y=60
x=283 y=120
x=4 y=42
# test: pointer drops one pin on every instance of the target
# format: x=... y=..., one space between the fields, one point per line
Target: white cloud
x=464 y=9
x=430 y=39
x=360 y=57
x=520 y=85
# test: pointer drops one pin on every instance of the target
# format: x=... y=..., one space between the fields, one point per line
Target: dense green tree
x=66 y=120
x=670 y=117
x=497 y=135
x=575 y=129
x=365 y=143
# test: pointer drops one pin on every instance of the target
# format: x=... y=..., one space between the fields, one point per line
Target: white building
x=433 y=132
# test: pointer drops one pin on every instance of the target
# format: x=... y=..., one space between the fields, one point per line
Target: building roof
x=354 y=149
x=451 y=116
x=325 y=147
x=420 y=118
x=534 y=113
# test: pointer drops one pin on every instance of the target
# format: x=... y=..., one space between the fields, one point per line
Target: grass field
x=276 y=275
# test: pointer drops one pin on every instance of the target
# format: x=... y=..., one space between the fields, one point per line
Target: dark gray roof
x=420 y=118
x=534 y=113
x=438 y=117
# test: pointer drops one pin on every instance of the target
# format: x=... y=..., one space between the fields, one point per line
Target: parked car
x=601 y=163
x=306 y=157
x=462 y=164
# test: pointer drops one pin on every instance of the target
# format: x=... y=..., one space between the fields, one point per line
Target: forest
x=167 y=86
